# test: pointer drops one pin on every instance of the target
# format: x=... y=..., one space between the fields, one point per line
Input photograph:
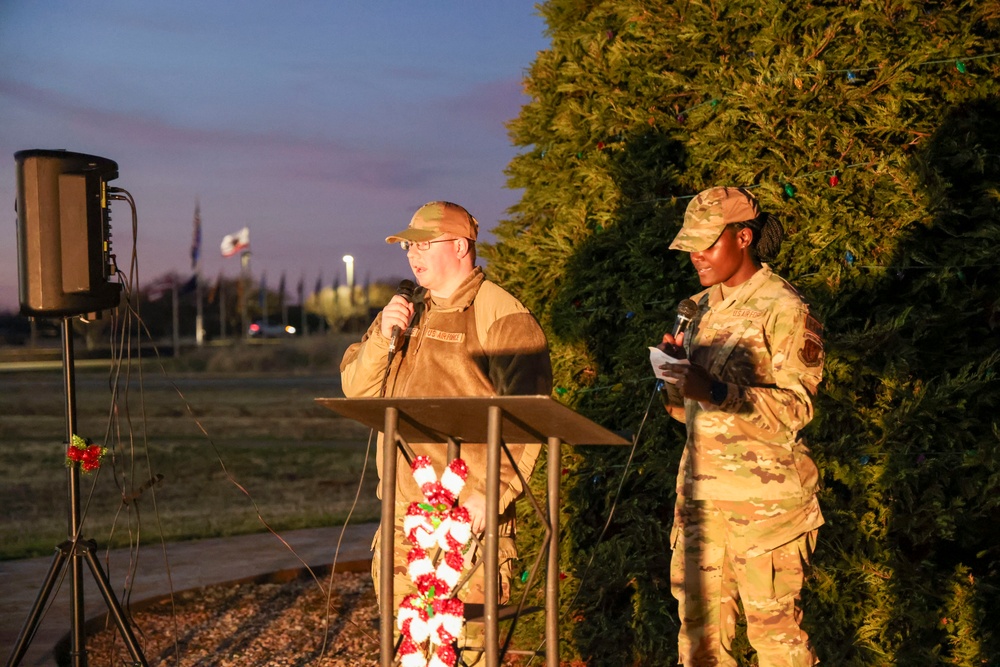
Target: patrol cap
x=709 y=213
x=435 y=219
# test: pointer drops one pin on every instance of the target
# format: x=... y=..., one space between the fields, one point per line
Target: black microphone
x=404 y=290
x=686 y=310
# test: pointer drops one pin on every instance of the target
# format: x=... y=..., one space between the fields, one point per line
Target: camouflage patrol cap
x=435 y=219
x=709 y=213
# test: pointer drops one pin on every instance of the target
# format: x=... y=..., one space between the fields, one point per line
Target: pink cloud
x=490 y=105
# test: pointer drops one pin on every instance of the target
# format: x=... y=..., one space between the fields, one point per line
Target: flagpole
x=176 y=319
x=319 y=302
x=199 y=318
x=302 y=307
x=221 y=296
x=282 y=302
x=263 y=298
x=244 y=273
x=232 y=244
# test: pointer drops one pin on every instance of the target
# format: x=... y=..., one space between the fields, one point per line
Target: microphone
x=404 y=290
x=686 y=310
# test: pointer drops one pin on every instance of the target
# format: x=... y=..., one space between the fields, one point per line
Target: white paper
x=657 y=358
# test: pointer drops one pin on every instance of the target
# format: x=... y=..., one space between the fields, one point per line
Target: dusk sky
x=322 y=125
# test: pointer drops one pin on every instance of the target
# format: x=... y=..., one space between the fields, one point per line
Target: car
x=261 y=329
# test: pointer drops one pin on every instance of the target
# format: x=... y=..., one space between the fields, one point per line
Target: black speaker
x=64 y=233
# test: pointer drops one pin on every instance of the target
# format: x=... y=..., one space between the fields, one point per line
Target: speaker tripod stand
x=73 y=552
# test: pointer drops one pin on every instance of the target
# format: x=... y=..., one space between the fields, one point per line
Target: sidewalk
x=191 y=565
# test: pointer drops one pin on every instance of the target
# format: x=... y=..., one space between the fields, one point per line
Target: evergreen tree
x=871 y=131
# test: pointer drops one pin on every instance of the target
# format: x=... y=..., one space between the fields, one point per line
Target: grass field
x=200 y=435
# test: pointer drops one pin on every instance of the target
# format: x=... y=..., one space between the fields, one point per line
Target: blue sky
x=320 y=125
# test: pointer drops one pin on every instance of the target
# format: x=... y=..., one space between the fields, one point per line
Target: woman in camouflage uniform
x=746 y=517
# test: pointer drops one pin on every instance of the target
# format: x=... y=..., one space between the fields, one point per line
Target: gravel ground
x=256 y=624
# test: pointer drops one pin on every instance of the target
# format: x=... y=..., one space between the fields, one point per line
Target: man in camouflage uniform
x=463 y=335
x=746 y=518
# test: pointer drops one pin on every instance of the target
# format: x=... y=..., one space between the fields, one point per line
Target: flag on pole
x=196 y=236
x=158 y=288
x=301 y=286
x=281 y=290
x=234 y=243
x=319 y=284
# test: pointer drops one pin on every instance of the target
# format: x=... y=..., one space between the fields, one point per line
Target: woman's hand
x=691 y=380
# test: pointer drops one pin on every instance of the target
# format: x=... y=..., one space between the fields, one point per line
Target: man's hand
x=397 y=313
x=476 y=505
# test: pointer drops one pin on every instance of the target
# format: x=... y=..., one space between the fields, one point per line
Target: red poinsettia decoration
x=84 y=452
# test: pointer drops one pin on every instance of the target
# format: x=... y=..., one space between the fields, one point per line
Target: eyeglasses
x=421 y=245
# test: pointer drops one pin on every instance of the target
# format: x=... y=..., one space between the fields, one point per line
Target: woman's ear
x=745 y=237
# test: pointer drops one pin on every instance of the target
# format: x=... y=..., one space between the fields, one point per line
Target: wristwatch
x=718 y=391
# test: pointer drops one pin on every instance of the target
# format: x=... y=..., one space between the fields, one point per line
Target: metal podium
x=492 y=420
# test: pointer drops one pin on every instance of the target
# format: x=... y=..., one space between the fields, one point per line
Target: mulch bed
x=254 y=624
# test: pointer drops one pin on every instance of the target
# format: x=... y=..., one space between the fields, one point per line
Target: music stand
x=492 y=420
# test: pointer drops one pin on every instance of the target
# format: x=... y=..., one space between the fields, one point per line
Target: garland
x=432 y=619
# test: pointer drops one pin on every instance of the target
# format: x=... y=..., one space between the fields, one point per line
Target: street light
x=349 y=261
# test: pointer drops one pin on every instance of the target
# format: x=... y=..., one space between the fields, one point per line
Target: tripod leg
x=112 y=602
x=35 y=615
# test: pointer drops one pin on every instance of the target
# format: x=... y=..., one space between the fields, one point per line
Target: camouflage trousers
x=756 y=552
x=473 y=591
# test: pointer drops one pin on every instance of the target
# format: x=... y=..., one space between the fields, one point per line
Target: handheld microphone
x=686 y=310
x=404 y=290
